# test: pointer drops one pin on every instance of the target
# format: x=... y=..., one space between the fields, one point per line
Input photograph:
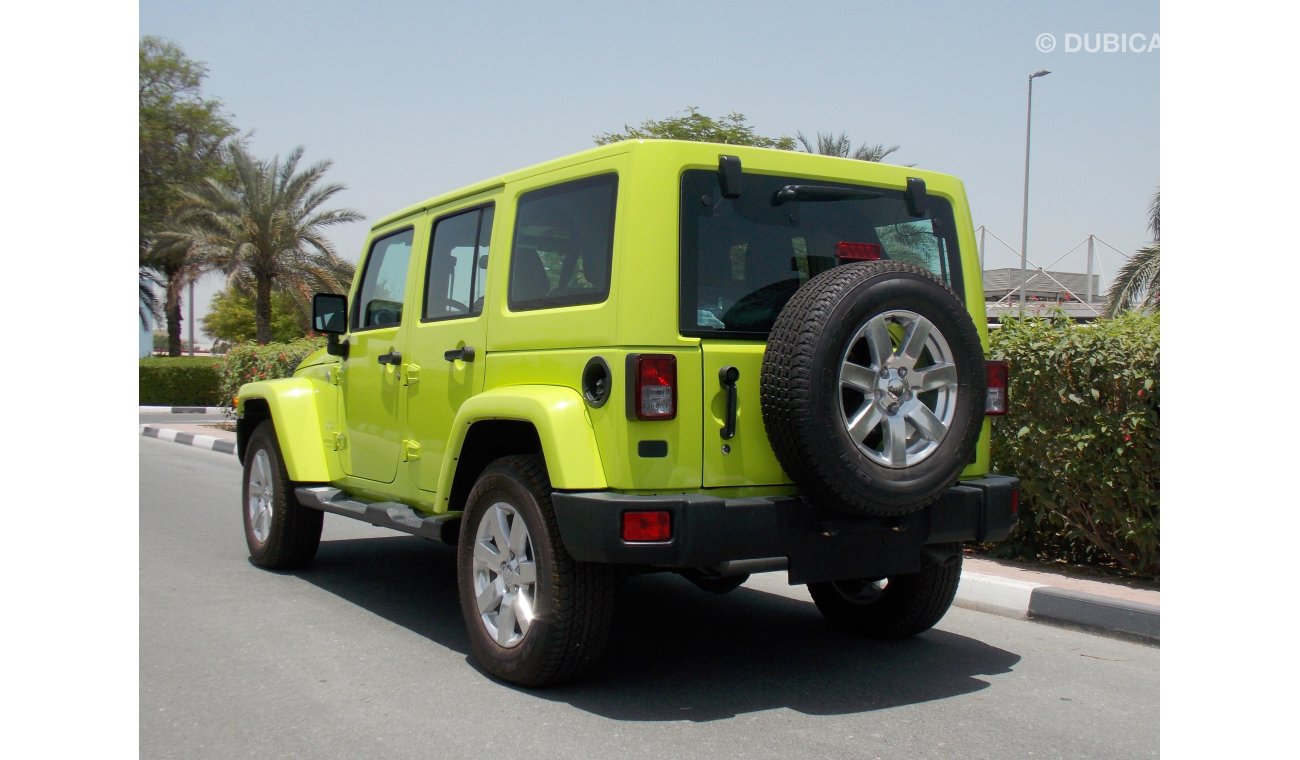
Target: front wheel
x=897 y=606
x=535 y=617
x=280 y=532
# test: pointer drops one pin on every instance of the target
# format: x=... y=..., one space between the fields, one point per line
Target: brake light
x=655 y=392
x=858 y=251
x=647 y=526
x=998 y=374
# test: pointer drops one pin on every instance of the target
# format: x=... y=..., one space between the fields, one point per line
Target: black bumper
x=708 y=531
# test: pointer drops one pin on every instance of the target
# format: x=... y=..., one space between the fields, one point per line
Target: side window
x=563 y=244
x=383 y=286
x=457 y=265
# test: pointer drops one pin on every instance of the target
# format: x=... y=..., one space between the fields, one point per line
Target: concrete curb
x=1026 y=600
x=982 y=592
x=184 y=409
x=211 y=443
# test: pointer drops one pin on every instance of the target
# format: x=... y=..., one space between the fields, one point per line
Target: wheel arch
x=522 y=419
x=290 y=404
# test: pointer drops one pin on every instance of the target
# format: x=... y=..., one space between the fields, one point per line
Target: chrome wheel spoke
x=523 y=612
x=858 y=377
x=914 y=341
x=865 y=421
x=486 y=556
x=518 y=536
x=527 y=573
x=506 y=619
x=878 y=342
x=895 y=441
x=489 y=598
x=925 y=421
x=934 y=377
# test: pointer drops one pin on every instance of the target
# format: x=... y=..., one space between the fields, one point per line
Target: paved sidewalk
x=1001 y=588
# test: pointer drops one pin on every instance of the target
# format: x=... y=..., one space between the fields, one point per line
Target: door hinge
x=410 y=374
x=335 y=376
x=410 y=450
x=339 y=441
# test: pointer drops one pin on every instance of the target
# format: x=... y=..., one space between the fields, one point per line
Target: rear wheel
x=534 y=616
x=280 y=532
x=897 y=606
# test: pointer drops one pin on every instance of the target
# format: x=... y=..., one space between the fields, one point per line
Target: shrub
x=248 y=362
x=1083 y=435
x=179 y=381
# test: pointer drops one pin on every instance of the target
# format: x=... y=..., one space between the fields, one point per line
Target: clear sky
x=410 y=99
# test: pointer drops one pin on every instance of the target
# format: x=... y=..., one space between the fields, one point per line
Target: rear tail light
x=654 y=386
x=998 y=373
x=858 y=251
x=647 y=526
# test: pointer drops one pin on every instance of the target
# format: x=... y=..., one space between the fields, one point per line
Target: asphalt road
x=364 y=655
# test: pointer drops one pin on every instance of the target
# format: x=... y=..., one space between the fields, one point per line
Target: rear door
x=448 y=341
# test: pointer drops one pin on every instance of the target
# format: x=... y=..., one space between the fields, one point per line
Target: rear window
x=742 y=258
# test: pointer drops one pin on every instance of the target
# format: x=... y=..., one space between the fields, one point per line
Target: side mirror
x=329 y=313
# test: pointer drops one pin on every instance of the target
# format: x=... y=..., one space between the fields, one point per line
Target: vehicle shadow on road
x=678 y=653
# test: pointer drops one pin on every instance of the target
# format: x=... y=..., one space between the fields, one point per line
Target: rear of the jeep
x=800 y=383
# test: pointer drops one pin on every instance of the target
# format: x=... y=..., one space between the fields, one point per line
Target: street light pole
x=1024 y=219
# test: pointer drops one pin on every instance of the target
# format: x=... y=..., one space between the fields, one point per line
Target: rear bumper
x=709 y=532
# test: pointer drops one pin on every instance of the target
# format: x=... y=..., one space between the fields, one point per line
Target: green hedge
x=179 y=381
x=247 y=362
x=1083 y=435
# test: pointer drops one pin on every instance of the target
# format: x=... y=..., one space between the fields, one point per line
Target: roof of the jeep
x=799 y=162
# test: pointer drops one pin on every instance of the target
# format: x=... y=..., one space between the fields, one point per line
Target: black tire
x=895 y=607
x=281 y=533
x=572 y=602
x=909 y=456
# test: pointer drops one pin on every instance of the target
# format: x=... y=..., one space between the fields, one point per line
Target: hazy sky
x=410 y=99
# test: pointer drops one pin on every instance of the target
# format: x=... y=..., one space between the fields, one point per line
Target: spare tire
x=873 y=388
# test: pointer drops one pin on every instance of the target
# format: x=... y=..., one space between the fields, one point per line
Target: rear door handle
x=392 y=357
x=464 y=353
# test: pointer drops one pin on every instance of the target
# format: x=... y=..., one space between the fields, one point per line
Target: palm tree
x=176 y=260
x=1137 y=284
x=148 y=298
x=266 y=230
x=830 y=145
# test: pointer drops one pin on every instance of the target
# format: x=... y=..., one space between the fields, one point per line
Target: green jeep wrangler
x=654 y=355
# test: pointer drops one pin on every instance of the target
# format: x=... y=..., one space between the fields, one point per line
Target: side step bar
x=384 y=514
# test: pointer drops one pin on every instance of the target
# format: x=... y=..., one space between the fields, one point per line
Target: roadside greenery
x=1083 y=435
x=230 y=317
x=183 y=135
x=249 y=362
x=179 y=381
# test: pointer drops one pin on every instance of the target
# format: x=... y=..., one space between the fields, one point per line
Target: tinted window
x=457 y=265
x=383 y=286
x=563 y=244
x=742 y=258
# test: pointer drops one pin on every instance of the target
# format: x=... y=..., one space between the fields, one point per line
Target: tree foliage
x=1137 y=283
x=830 y=145
x=231 y=317
x=694 y=126
x=266 y=230
x=182 y=137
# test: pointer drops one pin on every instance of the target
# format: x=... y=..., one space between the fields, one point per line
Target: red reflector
x=1015 y=502
x=998 y=374
x=858 y=251
x=656 y=387
x=647 y=526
